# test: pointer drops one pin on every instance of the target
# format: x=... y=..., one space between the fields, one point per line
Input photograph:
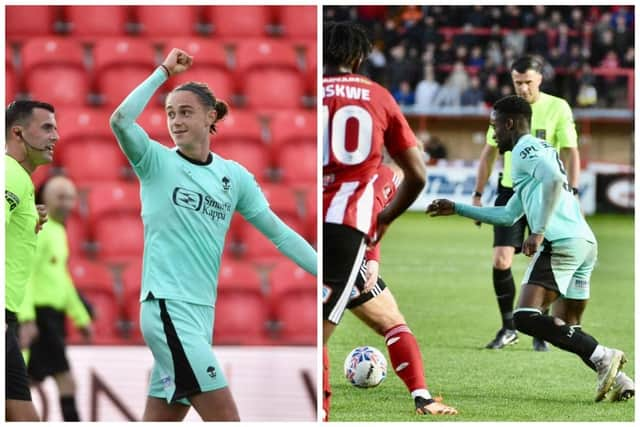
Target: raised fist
x=177 y=61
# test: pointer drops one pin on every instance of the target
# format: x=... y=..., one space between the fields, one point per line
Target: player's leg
x=48 y=358
x=552 y=273
x=216 y=405
x=67 y=392
x=157 y=409
x=18 y=404
x=343 y=251
x=379 y=310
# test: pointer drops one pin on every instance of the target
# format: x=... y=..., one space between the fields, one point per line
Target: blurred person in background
x=473 y=96
x=31 y=134
x=404 y=95
x=188 y=197
x=553 y=121
x=427 y=89
x=457 y=82
x=51 y=295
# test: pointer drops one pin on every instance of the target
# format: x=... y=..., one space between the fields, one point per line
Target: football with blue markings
x=365 y=367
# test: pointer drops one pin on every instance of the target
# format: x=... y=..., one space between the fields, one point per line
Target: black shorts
x=17 y=382
x=343 y=251
x=48 y=350
x=509 y=236
x=358 y=298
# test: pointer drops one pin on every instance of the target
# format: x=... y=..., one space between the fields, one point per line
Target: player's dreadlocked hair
x=344 y=43
x=513 y=105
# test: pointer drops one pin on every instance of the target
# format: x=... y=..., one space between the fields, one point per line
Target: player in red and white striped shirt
x=373 y=303
x=360 y=117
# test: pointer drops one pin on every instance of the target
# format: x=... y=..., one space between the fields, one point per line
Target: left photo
x=160 y=213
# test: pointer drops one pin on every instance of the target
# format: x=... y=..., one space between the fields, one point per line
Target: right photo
x=478 y=213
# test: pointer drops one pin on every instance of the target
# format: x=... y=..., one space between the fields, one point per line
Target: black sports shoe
x=503 y=338
x=540 y=345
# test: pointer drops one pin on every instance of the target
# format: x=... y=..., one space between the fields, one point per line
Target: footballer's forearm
x=132 y=138
x=412 y=165
x=290 y=243
x=498 y=215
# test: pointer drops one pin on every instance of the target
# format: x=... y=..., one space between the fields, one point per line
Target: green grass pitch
x=439 y=270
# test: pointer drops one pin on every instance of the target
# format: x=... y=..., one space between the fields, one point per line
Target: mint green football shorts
x=179 y=335
x=564 y=266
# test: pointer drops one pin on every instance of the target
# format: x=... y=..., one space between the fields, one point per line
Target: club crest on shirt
x=12 y=199
x=226 y=183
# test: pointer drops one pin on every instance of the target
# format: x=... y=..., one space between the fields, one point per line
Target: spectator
x=577 y=19
x=534 y=17
x=628 y=59
x=539 y=41
x=587 y=94
x=475 y=58
x=434 y=150
x=444 y=55
x=477 y=17
x=427 y=89
x=512 y=18
x=494 y=53
x=398 y=67
x=492 y=91
x=466 y=37
x=376 y=63
x=430 y=32
x=515 y=40
x=473 y=96
x=622 y=38
x=404 y=95
x=457 y=82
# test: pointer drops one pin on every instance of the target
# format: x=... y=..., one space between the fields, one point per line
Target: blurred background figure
x=52 y=295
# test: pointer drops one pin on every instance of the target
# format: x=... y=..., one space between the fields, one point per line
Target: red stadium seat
x=298 y=163
x=108 y=198
x=131 y=281
x=241 y=311
x=54 y=71
x=120 y=65
x=293 y=297
x=91 y=161
x=281 y=199
x=104 y=322
x=311 y=68
x=256 y=247
x=284 y=89
x=298 y=21
x=167 y=21
x=76 y=235
x=238 y=21
x=293 y=127
x=205 y=51
x=238 y=126
x=251 y=155
x=77 y=124
x=97 y=21
x=10 y=84
x=154 y=121
x=261 y=53
x=90 y=275
x=119 y=238
x=219 y=80
x=29 y=21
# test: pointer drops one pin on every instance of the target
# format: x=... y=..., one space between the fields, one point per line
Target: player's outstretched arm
x=132 y=138
x=290 y=243
x=500 y=215
x=412 y=165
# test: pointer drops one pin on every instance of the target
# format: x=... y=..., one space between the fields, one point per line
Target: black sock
x=566 y=337
x=69 y=411
x=505 y=290
x=586 y=360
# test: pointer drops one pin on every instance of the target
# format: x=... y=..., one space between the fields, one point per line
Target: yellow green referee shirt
x=50 y=284
x=20 y=218
x=552 y=121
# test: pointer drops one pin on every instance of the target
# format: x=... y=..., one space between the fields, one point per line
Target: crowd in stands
x=438 y=56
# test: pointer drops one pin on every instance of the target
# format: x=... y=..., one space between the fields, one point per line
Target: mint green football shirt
x=534 y=161
x=552 y=121
x=186 y=211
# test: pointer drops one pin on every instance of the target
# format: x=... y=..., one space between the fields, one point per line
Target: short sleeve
x=398 y=136
x=566 y=135
x=251 y=200
x=14 y=191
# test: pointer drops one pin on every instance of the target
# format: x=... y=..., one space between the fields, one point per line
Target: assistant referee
x=51 y=295
x=31 y=134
